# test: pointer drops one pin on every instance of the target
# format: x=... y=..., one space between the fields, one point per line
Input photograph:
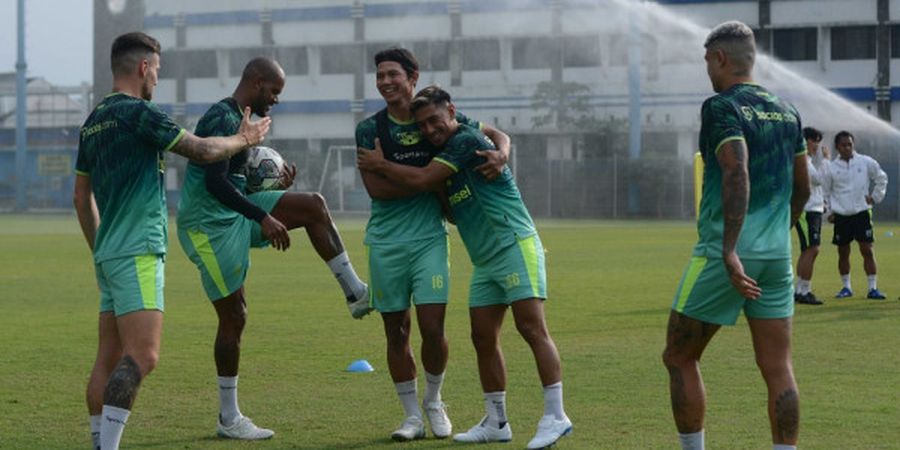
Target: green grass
x=611 y=285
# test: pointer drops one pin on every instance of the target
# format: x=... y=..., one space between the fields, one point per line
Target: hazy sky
x=58 y=39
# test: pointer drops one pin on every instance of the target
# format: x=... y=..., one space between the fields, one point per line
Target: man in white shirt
x=809 y=226
x=850 y=194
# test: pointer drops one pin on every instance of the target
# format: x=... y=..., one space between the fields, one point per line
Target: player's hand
x=870 y=200
x=493 y=167
x=745 y=285
x=254 y=131
x=275 y=232
x=288 y=175
x=370 y=160
x=825 y=152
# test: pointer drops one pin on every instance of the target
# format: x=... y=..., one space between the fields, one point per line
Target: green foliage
x=611 y=285
x=566 y=106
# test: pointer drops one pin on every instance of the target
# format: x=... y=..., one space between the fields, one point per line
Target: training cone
x=360 y=365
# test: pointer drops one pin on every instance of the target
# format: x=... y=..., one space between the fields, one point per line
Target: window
x=852 y=43
x=533 y=53
x=481 y=54
x=432 y=55
x=795 y=44
x=895 y=41
x=340 y=58
x=190 y=63
x=581 y=51
x=293 y=60
x=618 y=55
x=239 y=57
x=200 y=63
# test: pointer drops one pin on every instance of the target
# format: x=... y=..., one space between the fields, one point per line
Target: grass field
x=611 y=285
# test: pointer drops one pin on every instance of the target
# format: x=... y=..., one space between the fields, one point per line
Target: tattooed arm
x=732 y=158
x=216 y=148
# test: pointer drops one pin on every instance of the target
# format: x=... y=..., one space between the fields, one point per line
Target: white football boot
x=483 y=432
x=244 y=429
x=550 y=430
x=437 y=418
x=359 y=304
x=411 y=429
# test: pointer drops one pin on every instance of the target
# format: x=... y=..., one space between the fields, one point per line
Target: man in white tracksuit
x=809 y=226
x=850 y=193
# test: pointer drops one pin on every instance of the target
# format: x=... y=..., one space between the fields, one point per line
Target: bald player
x=218 y=223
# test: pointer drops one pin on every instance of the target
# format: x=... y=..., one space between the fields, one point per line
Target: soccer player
x=507 y=255
x=809 y=227
x=755 y=185
x=854 y=184
x=407 y=244
x=121 y=206
x=218 y=222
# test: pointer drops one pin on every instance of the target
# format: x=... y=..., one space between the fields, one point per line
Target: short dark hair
x=843 y=133
x=429 y=95
x=400 y=56
x=812 y=134
x=129 y=48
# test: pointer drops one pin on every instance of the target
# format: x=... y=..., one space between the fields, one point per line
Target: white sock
x=873 y=282
x=495 y=404
x=407 y=392
x=350 y=283
x=553 y=401
x=845 y=279
x=691 y=441
x=228 y=403
x=95 y=431
x=112 y=425
x=433 y=385
x=783 y=447
x=803 y=286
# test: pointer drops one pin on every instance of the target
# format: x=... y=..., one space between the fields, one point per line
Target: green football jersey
x=490 y=215
x=410 y=218
x=197 y=204
x=771 y=129
x=122 y=149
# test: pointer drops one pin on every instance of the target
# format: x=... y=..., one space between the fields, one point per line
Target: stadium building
x=559 y=76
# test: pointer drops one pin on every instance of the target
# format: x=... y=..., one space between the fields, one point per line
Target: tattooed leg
x=772 y=344
x=685 y=341
x=121 y=389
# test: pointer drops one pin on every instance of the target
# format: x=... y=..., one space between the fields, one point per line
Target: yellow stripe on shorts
x=145 y=266
x=693 y=272
x=208 y=256
x=529 y=253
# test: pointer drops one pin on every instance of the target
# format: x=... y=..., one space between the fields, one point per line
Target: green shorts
x=402 y=273
x=515 y=273
x=706 y=293
x=133 y=283
x=222 y=251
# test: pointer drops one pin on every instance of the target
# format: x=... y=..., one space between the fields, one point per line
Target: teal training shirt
x=122 y=149
x=197 y=205
x=772 y=131
x=490 y=215
x=410 y=218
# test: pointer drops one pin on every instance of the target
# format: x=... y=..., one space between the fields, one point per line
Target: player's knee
x=674 y=359
x=484 y=339
x=432 y=334
x=319 y=207
x=146 y=360
x=532 y=331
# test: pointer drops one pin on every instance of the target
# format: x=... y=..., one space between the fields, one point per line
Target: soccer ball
x=263 y=169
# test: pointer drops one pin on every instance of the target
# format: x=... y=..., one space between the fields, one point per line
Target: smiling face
x=437 y=122
x=393 y=83
x=844 y=146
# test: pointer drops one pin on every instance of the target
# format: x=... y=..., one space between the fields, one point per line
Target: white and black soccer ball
x=263 y=169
